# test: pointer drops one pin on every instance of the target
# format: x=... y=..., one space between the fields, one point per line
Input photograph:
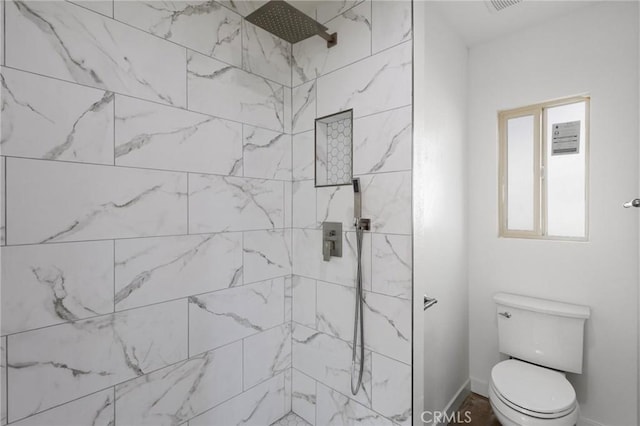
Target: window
x=543 y=173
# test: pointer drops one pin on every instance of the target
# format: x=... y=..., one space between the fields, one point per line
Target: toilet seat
x=525 y=411
x=507 y=416
x=546 y=395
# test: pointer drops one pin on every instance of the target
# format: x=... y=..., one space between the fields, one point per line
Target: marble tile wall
x=369 y=71
x=146 y=247
x=160 y=227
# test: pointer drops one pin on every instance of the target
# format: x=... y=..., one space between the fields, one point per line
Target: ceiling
x=473 y=21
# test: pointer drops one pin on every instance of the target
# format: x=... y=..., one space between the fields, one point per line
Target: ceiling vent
x=498 y=5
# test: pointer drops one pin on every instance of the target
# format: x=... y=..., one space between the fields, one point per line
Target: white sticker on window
x=566 y=138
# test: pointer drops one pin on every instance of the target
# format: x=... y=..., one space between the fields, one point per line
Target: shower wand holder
x=363 y=224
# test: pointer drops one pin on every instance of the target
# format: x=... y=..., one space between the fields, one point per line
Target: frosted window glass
x=565 y=177
x=520 y=176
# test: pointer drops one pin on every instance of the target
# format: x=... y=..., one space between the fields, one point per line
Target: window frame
x=539 y=112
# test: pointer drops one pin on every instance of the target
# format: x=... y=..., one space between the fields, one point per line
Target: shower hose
x=358 y=323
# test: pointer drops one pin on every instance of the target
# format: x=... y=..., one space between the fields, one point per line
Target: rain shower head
x=285 y=21
x=498 y=5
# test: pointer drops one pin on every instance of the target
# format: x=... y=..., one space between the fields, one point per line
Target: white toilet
x=544 y=339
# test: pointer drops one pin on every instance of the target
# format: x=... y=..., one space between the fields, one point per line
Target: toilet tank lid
x=542 y=305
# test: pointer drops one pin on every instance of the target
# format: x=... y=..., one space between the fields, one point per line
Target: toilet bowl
x=544 y=339
x=523 y=394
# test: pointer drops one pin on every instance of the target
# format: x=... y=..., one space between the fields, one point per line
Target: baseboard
x=588 y=422
x=480 y=387
x=456 y=401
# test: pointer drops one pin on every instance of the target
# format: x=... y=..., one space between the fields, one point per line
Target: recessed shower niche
x=334 y=149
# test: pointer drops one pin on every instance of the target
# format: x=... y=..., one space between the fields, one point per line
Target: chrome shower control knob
x=633 y=203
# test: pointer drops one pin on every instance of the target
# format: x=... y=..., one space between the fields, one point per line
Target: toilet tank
x=540 y=331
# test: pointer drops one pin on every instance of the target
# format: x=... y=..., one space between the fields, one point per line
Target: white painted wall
x=638 y=347
x=440 y=204
x=595 y=51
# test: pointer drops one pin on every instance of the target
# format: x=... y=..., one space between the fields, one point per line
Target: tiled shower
x=161 y=259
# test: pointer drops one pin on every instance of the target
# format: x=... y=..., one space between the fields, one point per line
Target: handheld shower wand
x=357 y=201
x=358 y=325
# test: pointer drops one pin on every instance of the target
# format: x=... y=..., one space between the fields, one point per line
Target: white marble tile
x=335 y=204
x=53 y=365
x=305 y=6
x=3 y=218
x=151 y=270
x=327 y=10
x=335 y=409
x=388 y=320
x=267 y=254
x=60 y=39
x=312 y=58
x=328 y=360
x=335 y=310
x=50 y=284
x=304 y=204
x=391 y=265
x=391 y=23
x=288 y=298
x=161 y=137
x=291 y=419
x=95 y=409
x=204 y=26
x=303 y=156
x=378 y=83
x=266 y=354
x=303 y=398
x=288 y=385
x=288 y=204
x=391 y=389
x=104 y=7
x=87 y=202
x=386 y=200
x=265 y=55
x=321 y=155
x=259 y=406
x=225 y=316
x=307 y=252
x=303 y=107
x=288 y=118
x=221 y=203
x=239 y=95
x=304 y=301
x=3 y=380
x=243 y=7
x=267 y=154
x=2 y=37
x=175 y=394
x=382 y=142
x=36 y=124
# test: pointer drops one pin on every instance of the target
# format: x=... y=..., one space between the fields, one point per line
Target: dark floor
x=475 y=411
